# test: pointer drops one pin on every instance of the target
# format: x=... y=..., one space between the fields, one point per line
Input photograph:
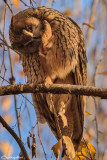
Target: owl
x=51 y=48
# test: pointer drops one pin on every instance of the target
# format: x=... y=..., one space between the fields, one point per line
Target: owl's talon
x=48 y=82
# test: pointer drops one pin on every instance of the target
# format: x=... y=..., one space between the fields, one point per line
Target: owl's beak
x=28 y=33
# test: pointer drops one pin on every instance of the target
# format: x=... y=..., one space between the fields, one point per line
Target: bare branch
x=20 y=143
x=54 y=88
x=92 y=20
x=89 y=25
x=5 y=1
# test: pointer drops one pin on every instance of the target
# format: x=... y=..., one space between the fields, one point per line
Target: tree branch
x=20 y=143
x=54 y=88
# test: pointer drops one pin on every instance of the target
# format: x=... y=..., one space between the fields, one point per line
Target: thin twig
x=12 y=81
x=3 y=45
x=100 y=60
x=97 y=135
x=5 y=1
x=87 y=148
x=24 y=3
x=41 y=142
x=92 y=20
x=87 y=24
x=18 y=140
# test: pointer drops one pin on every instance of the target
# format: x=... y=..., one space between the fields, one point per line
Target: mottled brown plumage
x=51 y=48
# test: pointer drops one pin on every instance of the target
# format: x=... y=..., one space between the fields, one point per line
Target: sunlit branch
x=55 y=89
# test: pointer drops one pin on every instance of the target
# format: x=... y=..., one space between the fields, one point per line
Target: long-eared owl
x=51 y=48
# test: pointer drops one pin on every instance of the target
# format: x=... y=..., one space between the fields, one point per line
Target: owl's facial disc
x=33 y=27
x=28 y=33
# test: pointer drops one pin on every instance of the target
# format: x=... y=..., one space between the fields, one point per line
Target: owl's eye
x=29 y=28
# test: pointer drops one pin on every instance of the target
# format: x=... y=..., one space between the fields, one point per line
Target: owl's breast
x=32 y=68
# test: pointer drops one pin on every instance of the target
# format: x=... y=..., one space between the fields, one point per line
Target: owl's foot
x=48 y=81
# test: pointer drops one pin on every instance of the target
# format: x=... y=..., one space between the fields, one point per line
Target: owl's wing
x=79 y=103
x=37 y=101
x=43 y=112
x=79 y=78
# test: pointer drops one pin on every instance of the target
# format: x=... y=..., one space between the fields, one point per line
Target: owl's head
x=27 y=28
x=25 y=33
